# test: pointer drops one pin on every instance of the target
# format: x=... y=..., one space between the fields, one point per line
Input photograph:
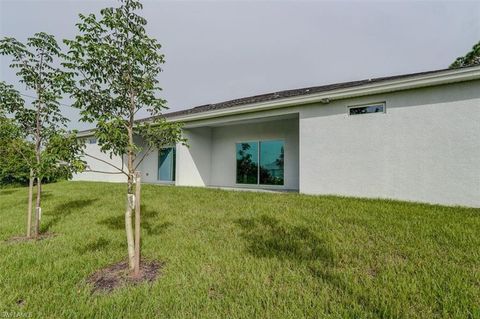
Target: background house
x=410 y=137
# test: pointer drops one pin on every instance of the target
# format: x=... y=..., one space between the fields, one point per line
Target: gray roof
x=291 y=93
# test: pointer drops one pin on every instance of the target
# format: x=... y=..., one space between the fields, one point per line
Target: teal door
x=166 y=164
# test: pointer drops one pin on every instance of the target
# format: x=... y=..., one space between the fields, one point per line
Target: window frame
x=258 y=185
x=383 y=103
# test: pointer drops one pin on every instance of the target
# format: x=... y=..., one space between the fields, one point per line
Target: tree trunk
x=38 y=156
x=131 y=176
x=30 y=200
x=38 y=209
x=136 y=271
x=128 y=223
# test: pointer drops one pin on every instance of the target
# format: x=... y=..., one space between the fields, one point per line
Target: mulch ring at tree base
x=118 y=275
x=20 y=239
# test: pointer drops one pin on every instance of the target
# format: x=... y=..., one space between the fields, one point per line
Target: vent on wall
x=366 y=109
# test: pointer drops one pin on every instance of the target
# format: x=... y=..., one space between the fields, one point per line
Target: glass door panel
x=166 y=164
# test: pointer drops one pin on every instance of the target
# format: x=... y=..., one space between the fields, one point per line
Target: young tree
x=116 y=64
x=471 y=58
x=42 y=123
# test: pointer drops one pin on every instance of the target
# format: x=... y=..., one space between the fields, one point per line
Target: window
x=260 y=163
x=247 y=163
x=166 y=164
x=271 y=162
x=92 y=141
x=366 y=109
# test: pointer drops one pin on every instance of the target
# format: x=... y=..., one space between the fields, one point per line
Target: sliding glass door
x=166 y=164
x=271 y=162
x=260 y=162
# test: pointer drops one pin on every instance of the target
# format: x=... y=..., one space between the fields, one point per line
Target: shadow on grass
x=343 y=286
x=7 y=191
x=45 y=195
x=267 y=237
x=95 y=245
x=148 y=218
x=63 y=210
x=10 y=191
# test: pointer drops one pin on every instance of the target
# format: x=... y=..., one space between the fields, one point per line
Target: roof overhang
x=376 y=87
x=86 y=133
x=419 y=81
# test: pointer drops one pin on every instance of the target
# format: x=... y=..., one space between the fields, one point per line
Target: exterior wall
x=223 y=152
x=210 y=157
x=194 y=162
x=426 y=147
x=94 y=150
x=149 y=165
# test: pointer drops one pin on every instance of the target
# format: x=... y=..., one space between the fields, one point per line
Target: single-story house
x=411 y=137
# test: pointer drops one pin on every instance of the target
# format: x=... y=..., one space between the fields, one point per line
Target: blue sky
x=220 y=50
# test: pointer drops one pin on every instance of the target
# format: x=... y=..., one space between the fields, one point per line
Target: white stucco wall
x=194 y=161
x=223 y=152
x=149 y=165
x=210 y=157
x=426 y=147
x=94 y=150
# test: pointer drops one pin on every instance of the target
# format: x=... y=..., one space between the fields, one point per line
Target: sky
x=222 y=50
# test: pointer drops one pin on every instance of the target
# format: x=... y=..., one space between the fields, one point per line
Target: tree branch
x=103 y=161
x=19 y=149
x=149 y=150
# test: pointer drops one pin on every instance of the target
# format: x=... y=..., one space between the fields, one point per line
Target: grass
x=242 y=255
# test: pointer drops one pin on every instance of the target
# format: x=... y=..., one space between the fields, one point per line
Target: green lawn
x=242 y=255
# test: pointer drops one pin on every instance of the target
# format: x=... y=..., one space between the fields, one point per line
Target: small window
x=92 y=141
x=366 y=109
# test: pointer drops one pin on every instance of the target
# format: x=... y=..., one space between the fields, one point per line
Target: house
x=411 y=137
